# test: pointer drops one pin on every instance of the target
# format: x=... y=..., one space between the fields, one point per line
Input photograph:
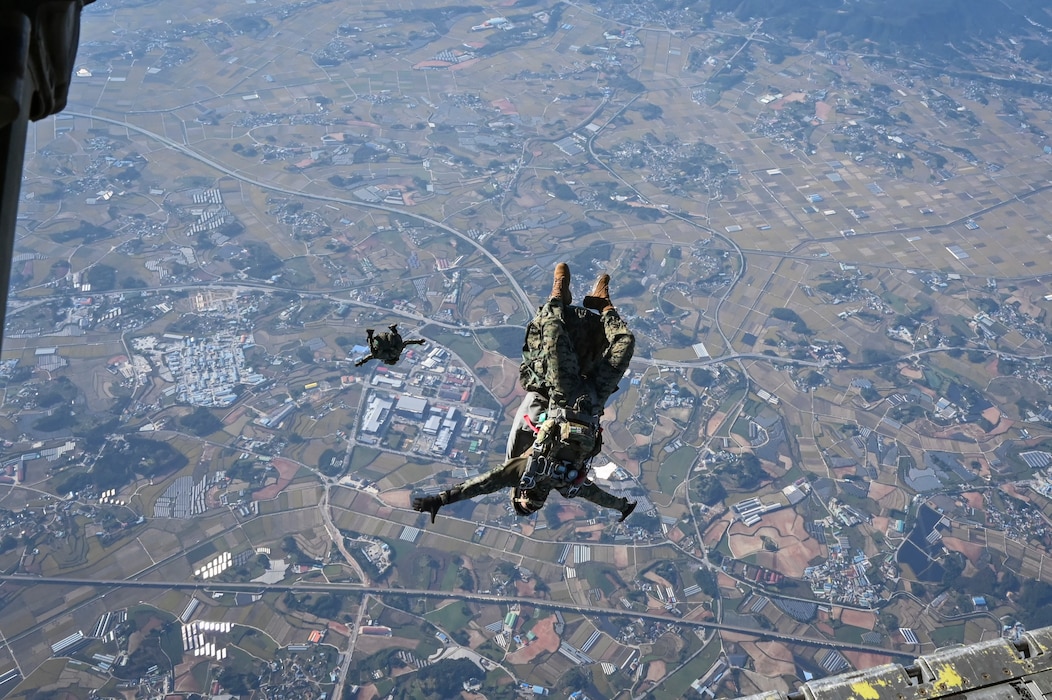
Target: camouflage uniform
x=572 y=361
x=386 y=347
x=509 y=474
x=571 y=354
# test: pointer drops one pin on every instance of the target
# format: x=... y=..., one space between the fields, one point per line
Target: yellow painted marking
x=865 y=690
x=948 y=678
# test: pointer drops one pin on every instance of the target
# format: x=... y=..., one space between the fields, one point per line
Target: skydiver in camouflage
x=572 y=361
x=386 y=347
x=575 y=357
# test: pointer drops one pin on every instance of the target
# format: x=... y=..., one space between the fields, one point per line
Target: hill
x=945 y=28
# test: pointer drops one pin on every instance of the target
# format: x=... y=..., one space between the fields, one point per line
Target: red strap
x=534 y=428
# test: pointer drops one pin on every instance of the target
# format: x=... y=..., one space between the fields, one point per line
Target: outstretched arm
x=415 y=341
x=362 y=361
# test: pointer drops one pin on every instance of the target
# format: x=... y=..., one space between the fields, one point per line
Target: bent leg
x=590 y=492
x=500 y=477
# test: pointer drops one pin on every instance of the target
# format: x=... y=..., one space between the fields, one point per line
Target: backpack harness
x=565 y=444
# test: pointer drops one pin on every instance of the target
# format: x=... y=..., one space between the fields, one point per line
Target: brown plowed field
x=286 y=472
x=547 y=642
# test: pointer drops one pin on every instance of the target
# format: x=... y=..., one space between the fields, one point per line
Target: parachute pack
x=565 y=443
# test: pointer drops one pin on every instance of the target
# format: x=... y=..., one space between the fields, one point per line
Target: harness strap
x=533 y=426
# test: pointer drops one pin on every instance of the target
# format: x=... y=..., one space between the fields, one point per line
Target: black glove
x=427 y=504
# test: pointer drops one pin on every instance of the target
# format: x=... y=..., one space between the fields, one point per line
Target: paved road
x=524 y=299
x=444 y=595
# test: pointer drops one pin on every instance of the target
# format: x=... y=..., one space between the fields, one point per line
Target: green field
x=254 y=642
x=449 y=578
x=200 y=674
x=849 y=633
x=362 y=457
x=601 y=576
x=491 y=651
x=466 y=348
x=73 y=551
x=198 y=554
x=401 y=551
x=172 y=643
x=257 y=530
x=414 y=471
x=240 y=661
x=145 y=610
x=47 y=673
x=724 y=548
x=506 y=341
x=384 y=687
x=451 y=617
x=728 y=405
x=674 y=467
x=943 y=636
x=676 y=685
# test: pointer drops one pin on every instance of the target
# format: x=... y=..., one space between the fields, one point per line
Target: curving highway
x=524 y=299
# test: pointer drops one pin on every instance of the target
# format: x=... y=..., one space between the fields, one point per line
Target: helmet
x=526 y=502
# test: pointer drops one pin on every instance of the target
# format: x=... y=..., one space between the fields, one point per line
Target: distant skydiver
x=386 y=347
x=572 y=361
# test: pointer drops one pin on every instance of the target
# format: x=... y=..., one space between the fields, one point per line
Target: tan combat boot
x=561 y=285
x=599 y=299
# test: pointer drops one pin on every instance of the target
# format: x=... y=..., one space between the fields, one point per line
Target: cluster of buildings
x=845 y=514
x=199 y=638
x=842 y=578
x=56 y=521
x=13 y=470
x=274 y=417
x=207 y=371
x=1042 y=480
x=185 y=498
x=104 y=628
x=1019 y=520
x=300 y=671
x=755 y=574
x=449 y=382
x=437 y=424
x=501 y=23
x=1015 y=315
x=70 y=645
x=683 y=168
x=207 y=211
x=751 y=510
x=75 y=315
x=377 y=553
x=216 y=566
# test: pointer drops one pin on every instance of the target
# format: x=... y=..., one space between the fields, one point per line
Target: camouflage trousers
x=508 y=475
x=571 y=353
